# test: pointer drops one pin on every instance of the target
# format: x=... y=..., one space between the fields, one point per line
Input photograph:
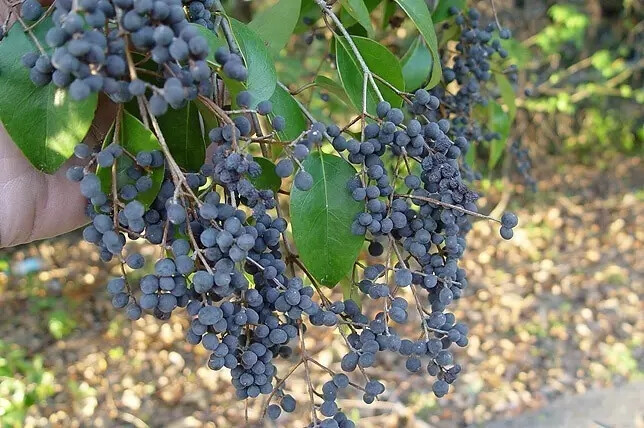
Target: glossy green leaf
x=507 y=94
x=268 y=179
x=44 y=122
x=380 y=61
x=416 y=65
x=358 y=10
x=214 y=42
x=209 y=119
x=350 y=290
x=285 y=105
x=333 y=88
x=498 y=121
x=441 y=12
x=276 y=23
x=419 y=13
x=321 y=219
x=470 y=156
x=262 y=77
x=182 y=131
x=133 y=137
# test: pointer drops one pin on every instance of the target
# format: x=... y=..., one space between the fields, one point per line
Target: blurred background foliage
x=557 y=311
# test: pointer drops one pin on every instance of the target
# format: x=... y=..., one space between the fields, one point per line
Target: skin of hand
x=35 y=205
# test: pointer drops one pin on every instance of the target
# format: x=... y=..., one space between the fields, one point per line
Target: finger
x=34 y=205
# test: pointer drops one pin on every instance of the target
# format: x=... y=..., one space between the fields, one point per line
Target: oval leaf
x=379 y=60
x=419 y=13
x=322 y=217
x=262 y=77
x=358 y=10
x=44 y=122
x=268 y=179
x=214 y=42
x=182 y=130
x=416 y=65
x=275 y=24
x=285 y=105
x=133 y=137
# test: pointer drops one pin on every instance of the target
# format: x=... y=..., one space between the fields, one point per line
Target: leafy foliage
x=135 y=138
x=379 y=60
x=416 y=64
x=321 y=219
x=419 y=13
x=182 y=129
x=268 y=179
x=276 y=32
x=262 y=77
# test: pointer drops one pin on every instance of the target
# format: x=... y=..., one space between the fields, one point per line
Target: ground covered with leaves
x=554 y=312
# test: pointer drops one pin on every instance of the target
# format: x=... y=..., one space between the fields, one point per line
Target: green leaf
x=507 y=94
x=321 y=219
x=441 y=12
x=470 y=157
x=182 y=130
x=285 y=105
x=419 y=13
x=268 y=179
x=262 y=77
x=214 y=42
x=498 y=121
x=276 y=23
x=44 y=122
x=133 y=137
x=332 y=87
x=358 y=10
x=416 y=65
x=350 y=290
x=209 y=119
x=379 y=60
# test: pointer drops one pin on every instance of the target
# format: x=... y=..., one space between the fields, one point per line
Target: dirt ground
x=555 y=312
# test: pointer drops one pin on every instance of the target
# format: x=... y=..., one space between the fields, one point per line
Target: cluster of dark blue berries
x=95 y=44
x=471 y=69
x=225 y=251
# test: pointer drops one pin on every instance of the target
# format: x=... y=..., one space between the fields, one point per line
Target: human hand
x=35 y=205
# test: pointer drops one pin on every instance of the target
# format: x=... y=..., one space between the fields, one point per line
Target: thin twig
x=445 y=204
x=496 y=18
x=26 y=28
x=326 y=9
